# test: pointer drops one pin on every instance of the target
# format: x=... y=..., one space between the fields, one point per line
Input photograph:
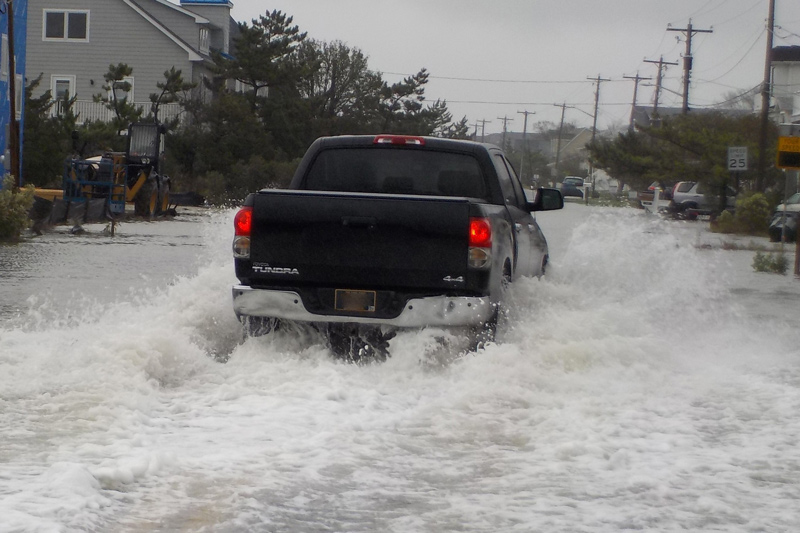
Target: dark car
x=572 y=186
x=787 y=214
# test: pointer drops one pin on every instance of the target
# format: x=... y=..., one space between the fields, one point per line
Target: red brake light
x=480 y=232
x=243 y=221
x=399 y=139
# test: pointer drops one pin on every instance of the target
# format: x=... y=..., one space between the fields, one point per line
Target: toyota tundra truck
x=379 y=233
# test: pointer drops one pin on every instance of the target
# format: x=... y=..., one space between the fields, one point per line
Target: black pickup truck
x=377 y=233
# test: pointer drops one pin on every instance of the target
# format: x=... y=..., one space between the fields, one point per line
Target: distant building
x=786 y=83
x=20 y=10
x=71 y=45
x=516 y=140
x=646 y=116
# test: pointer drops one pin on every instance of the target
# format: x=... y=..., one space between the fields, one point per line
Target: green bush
x=726 y=223
x=776 y=263
x=14 y=207
x=751 y=218
x=752 y=213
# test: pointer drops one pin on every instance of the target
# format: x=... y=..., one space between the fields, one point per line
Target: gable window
x=66 y=25
x=205 y=39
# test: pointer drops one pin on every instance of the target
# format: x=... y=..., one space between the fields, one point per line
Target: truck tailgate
x=359 y=241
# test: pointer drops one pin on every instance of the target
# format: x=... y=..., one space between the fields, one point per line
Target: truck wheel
x=486 y=332
x=146 y=200
x=358 y=344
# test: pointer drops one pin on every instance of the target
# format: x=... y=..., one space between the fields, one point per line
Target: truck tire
x=481 y=335
x=146 y=201
x=358 y=344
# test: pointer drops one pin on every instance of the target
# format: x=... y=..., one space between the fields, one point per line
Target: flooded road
x=650 y=381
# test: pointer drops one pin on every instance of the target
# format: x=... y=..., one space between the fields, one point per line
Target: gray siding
x=181 y=24
x=220 y=18
x=117 y=34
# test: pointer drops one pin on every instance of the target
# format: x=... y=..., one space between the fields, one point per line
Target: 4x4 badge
x=459 y=279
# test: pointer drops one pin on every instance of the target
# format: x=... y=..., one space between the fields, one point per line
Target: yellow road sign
x=788 y=153
x=789 y=144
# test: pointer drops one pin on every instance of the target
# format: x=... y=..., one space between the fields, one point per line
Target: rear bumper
x=418 y=312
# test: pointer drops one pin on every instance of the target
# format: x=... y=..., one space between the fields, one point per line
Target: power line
x=488 y=80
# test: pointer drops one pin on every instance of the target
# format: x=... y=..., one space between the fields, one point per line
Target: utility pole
x=558 y=141
x=524 y=140
x=687 y=59
x=766 y=89
x=475 y=135
x=598 y=80
x=662 y=65
x=505 y=120
x=483 y=128
x=636 y=79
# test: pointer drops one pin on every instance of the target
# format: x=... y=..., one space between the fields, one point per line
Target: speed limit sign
x=737 y=158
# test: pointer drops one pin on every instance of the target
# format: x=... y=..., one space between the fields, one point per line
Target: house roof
x=786 y=53
x=194 y=55
x=197 y=18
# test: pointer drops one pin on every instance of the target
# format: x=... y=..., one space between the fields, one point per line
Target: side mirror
x=546 y=200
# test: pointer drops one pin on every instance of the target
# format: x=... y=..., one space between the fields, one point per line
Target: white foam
x=629 y=389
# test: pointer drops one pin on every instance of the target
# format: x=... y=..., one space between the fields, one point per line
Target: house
x=7 y=40
x=786 y=83
x=72 y=43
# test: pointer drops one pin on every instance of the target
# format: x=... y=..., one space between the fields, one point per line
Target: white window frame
x=66 y=37
x=130 y=98
x=205 y=39
x=55 y=78
x=55 y=110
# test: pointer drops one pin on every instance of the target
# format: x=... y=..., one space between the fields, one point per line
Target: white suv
x=690 y=198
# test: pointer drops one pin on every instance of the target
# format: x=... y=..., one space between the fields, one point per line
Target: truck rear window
x=396 y=171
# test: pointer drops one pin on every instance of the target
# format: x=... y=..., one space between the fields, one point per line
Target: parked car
x=691 y=198
x=792 y=214
x=572 y=186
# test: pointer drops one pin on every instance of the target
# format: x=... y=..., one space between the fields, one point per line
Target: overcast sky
x=491 y=60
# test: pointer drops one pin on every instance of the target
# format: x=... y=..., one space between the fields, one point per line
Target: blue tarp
x=20 y=9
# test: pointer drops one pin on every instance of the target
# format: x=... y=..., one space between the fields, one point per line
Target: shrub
x=776 y=263
x=751 y=218
x=726 y=223
x=752 y=213
x=14 y=207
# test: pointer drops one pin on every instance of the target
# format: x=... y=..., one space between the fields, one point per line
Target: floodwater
x=651 y=381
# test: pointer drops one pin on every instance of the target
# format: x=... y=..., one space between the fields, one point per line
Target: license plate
x=355 y=301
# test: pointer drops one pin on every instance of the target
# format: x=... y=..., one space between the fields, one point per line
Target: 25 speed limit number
x=737 y=158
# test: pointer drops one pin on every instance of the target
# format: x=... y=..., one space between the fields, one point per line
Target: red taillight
x=480 y=232
x=243 y=221
x=399 y=139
